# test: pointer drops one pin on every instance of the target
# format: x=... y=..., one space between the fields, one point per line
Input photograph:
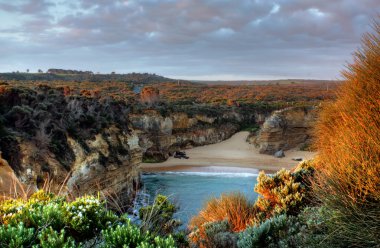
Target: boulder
x=279 y=154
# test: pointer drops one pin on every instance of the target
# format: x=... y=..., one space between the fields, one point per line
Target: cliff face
x=83 y=142
x=285 y=129
x=161 y=136
x=91 y=144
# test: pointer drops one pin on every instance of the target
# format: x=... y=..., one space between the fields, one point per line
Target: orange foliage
x=348 y=132
x=232 y=207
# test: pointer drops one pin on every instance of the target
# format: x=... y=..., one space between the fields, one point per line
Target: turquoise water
x=189 y=190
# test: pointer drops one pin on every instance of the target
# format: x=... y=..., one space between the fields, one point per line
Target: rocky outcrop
x=162 y=136
x=82 y=143
x=285 y=129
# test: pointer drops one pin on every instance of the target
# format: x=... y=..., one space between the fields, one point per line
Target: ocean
x=190 y=190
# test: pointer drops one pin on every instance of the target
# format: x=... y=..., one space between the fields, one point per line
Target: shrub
x=214 y=234
x=45 y=220
x=127 y=235
x=16 y=236
x=87 y=216
x=348 y=143
x=285 y=192
x=49 y=238
x=305 y=230
x=158 y=217
x=233 y=208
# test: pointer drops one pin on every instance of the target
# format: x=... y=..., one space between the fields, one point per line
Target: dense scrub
x=348 y=141
x=46 y=220
x=283 y=196
x=332 y=202
x=46 y=117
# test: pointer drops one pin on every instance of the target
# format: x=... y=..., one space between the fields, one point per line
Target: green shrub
x=158 y=217
x=16 y=236
x=306 y=230
x=87 y=216
x=128 y=235
x=49 y=238
x=215 y=234
x=45 y=220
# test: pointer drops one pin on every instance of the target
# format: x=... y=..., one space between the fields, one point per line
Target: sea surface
x=190 y=190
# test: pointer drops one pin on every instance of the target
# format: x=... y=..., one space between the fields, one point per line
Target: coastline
x=234 y=152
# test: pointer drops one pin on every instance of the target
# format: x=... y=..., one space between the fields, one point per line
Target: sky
x=187 y=39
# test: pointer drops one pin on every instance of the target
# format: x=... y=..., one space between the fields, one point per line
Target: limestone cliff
x=161 y=136
x=285 y=129
x=83 y=143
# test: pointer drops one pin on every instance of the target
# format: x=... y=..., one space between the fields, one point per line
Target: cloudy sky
x=192 y=39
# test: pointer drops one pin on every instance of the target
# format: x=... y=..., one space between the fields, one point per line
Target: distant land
x=264 y=82
x=144 y=78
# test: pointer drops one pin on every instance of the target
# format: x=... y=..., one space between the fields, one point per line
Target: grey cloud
x=292 y=38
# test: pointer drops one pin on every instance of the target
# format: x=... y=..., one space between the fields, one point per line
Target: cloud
x=195 y=38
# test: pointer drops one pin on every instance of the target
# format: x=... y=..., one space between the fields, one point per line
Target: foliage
x=16 y=236
x=305 y=230
x=214 y=234
x=50 y=238
x=233 y=207
x=285 y=192
x=348 y=143
x=158 y=217
x=229 y=213
x=46 y=220
x=127 y=235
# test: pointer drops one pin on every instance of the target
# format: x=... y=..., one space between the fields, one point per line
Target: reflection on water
x=190 y=190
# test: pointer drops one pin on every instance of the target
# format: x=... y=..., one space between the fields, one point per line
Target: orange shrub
x=348 y=142
x=233 y=207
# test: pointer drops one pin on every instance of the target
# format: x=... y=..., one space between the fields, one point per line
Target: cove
x=190 y=190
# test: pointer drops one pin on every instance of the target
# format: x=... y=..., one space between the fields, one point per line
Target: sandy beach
x=233 y=152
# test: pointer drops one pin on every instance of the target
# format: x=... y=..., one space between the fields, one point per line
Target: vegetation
x=348 y=142
x=46 y=220
x=333 y=201
x=283 y=194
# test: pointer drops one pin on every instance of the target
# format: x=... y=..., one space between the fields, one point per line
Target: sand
x=233 y=152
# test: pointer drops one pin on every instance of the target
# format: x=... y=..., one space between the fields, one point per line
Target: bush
x=230 y=210
x=49 y=238
x=348 y=143
x=158 y=217
x=305 y=230
x=214 y=234
x=45 y=220
x=285 y=192
x=234 y=207
x=127 y=235
x=16 y=236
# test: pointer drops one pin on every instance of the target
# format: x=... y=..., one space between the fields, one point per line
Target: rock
x=3 y=162
x=286 y=129
x=279 y=154
x=297 y=159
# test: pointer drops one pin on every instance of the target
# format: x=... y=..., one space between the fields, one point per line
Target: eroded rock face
x=110 y=164
x=285 y=129
x=161 y=136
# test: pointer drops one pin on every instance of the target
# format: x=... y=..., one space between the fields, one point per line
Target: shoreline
x=234 y=152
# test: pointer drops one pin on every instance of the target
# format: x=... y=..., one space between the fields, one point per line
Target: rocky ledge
x=285 y=129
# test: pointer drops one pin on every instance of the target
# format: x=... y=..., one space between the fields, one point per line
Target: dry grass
x=348 y=142
x=233 y=207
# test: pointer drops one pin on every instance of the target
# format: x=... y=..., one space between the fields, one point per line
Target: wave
x=194 y=173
